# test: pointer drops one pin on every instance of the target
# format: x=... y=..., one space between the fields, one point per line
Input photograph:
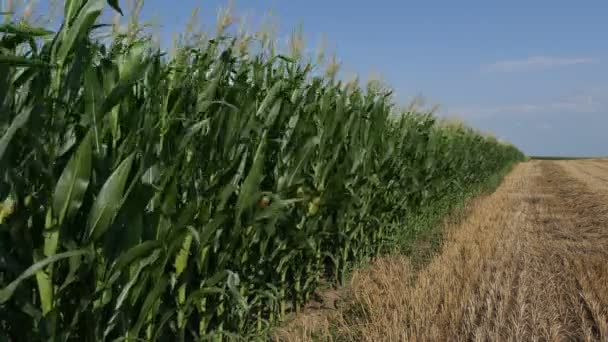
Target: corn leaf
x=7 y=292
x=74 y=181
x=108 y=200
x=18 y=122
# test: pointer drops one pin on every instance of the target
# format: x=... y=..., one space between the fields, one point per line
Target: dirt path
x=530 y=263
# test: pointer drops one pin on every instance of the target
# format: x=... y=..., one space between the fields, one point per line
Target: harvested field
x=529 y=263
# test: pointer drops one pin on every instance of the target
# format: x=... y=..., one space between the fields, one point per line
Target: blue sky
x=534 y=73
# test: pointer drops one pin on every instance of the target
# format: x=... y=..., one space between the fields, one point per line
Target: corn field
x=202 y=195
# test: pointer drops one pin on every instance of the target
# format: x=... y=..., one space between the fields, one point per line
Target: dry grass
x=592 y=172
x=530 y=263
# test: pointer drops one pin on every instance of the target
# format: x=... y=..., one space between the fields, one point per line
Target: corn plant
x=202 y=195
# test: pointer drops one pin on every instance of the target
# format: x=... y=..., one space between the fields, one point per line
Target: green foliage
x=198 y=196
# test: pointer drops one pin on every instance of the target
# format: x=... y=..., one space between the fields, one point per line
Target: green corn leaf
x=181 y=260
x=25 y=76
x=251 y=184
x=19 y=61
x=146 y=307
x=83 y=22
x=45 y=290
x=18 y=122
x=161 y=323
x=74 y=265
x=108 y=200
x=209 y=93
x=126 y=289
x=133 y=68
x=274 y=113
x=151 y=175
x=195 y=297
x=115 y=6
x=92 y=97
x=211 y=228
x=7 y=292
x=270 y=97
x=216 y=278
x=24 y=29
x=134 y=253
x=201 y=127
x=232 y=282
x=301 y=158
x=70 y=9
x=225 y=194
x=169 y=204
x=7 y=82
x=186 y=216
x=74 y=181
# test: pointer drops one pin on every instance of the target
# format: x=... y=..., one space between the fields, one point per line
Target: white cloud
x=535 y=63
x=588 y=102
